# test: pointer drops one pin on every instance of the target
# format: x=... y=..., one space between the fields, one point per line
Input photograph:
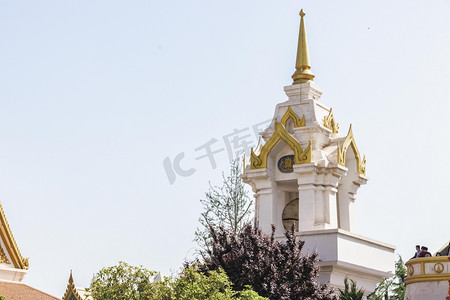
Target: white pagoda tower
x=305 y=174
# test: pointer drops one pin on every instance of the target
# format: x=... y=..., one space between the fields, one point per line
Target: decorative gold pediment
x=291 y=114
x=71 y=291
x=342 y=153
x=330 y=123
x=300 y=156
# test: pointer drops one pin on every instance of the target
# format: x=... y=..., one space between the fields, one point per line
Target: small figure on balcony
x=424 y=252
x=416 y=254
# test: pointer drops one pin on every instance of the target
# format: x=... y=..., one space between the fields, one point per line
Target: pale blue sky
x=94 y=95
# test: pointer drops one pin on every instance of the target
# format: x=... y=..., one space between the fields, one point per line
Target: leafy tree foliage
x=228 y=206
x=214 y=285
x=123 y=282
x=275 y=269
x=249 y=294
x=350 y=292
x=135 y=283
x=393 y=288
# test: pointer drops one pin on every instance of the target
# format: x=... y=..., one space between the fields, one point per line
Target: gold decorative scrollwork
x=342 y=153
x=259 y=161
x=330 y=123
x=255 y=160
x=26 y=263
x=410 y=271
x=290 y=114
x=438 y=267
x=3 y=257
x=362 y=166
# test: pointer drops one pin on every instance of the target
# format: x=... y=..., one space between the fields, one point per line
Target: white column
x=330 y=198
x=321 y=208
x=265 y=206
x=344 y=208
x=306 y=206
x=306 y=180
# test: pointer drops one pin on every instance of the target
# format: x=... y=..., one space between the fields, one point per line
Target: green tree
x=350 y=292
x=214 y=285
x=249 y=294
x=392 y=288
x=123 y=282
x=136 y=283
x=228 y=206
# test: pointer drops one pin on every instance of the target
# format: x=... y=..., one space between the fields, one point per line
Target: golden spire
x=302 y=66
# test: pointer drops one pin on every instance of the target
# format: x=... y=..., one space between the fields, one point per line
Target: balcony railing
x=423 y=269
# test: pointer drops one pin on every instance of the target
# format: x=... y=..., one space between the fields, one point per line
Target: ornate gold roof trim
x=291 y=114
x=300 y=156
x=342 y=153
x=302 y=72
x=10 y=243
x=71 y=290
x=330 y=123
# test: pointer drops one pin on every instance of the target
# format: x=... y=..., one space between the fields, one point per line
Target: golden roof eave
x=10 y=243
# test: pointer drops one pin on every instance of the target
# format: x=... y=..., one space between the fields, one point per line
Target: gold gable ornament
x=290 y=114
x=300 y=156
x=72 y=292
x=342 y=153
x=330 y=123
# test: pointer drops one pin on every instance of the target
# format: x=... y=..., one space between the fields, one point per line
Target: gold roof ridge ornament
x=71 y=290
x=342 y=153
x=302 y=72
x=330 y=123
x=290 y=114
x=259 y=160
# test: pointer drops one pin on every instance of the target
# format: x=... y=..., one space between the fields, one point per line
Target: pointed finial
x=302 y=72
x=70 y=277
